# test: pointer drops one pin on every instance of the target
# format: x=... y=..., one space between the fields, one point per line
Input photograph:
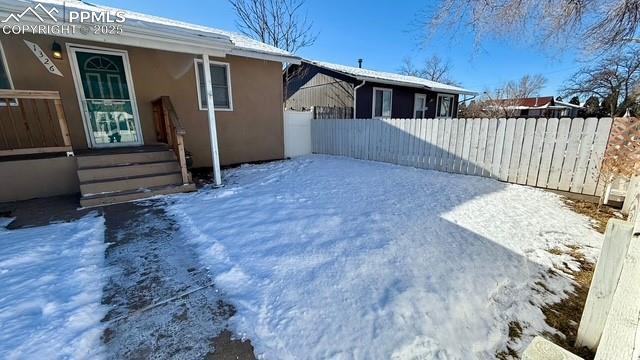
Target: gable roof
x=156 y=32
x=390 y=78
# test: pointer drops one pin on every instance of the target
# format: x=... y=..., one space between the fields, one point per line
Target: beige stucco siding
x=28 y=179
x=251 y=132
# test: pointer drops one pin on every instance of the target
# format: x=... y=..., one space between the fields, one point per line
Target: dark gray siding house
x=377 y=94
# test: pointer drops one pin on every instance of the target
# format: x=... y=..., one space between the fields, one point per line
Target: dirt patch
x=227 y=348
x=565 y=315
x=599 y=217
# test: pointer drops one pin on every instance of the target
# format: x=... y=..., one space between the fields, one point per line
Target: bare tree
x=596 y=25
x=503 y=101
x=622 y=157
x=613 y=78
x=280 y=23
x=434 y=69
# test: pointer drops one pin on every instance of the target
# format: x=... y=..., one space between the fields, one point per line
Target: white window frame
x=439 y=103
x=6 y=69
x=424 y=106
x=229 y=90
x=373 y=102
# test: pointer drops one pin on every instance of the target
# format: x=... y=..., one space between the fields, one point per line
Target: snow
x=329 y=257
x=51 y=290
x=240 y=41
x=398 y=79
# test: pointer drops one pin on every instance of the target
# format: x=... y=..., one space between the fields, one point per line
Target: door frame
x=77 y=80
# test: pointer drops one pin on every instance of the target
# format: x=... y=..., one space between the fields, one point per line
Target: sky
x=382 y=33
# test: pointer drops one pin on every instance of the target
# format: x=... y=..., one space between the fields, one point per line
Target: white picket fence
x=562 y=154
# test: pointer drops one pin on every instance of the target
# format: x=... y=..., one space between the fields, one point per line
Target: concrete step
x=125 y=196
x=130 y=183
x=130 y=170
x=105 y=160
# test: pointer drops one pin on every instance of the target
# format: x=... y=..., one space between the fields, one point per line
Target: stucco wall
x=252 y=131
x=28 y=179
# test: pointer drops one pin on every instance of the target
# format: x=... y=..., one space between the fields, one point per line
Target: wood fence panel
x=536 y=152
x=491 y=142
x=605 y=280
x=518 y=139
x=482 y=147
x=458 y=159
x=446 y=141
x=619 y=335
x=547 y=152
x=497 y=150
x=466 y=150
x=559 y=153
x=525 y=152
x=586 y=148
x=573 y=146
x=507 y=150
x=599 y=146
x=475 y=142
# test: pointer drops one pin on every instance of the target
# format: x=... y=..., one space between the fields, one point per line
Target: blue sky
x=383 y=33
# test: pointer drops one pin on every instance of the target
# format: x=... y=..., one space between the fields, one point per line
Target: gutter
x=355 y=98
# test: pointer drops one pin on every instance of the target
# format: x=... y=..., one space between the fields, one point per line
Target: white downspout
x=213 y=131
x=355 y=98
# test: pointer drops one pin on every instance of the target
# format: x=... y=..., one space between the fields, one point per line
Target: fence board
x=599 y=145
x=446 y=155
x=605 y=280
x=497 y=150
x=536 y=152
x=507 y=150
x=586 y=147
x=491 y=142
x=550 y=153
x=518 y=139
x=573 y=146
x=547 y=152
x=482 y=147
x=559 y=153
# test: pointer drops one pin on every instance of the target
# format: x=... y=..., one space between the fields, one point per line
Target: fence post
x=605 y=281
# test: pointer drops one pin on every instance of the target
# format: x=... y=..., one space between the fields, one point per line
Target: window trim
x=438 y=103
x=6 y=69
x=424 y=106
x=197 y=61
x=373 y=103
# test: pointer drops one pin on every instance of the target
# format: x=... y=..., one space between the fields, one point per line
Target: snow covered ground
x=329 y=257
x=51 y=280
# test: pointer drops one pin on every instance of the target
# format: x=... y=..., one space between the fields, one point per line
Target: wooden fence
x=562 y=154
x=332 y=112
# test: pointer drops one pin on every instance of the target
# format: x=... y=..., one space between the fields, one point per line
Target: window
x=5 y=77
x=221 y=83
x=445 y=105
x=382 y=102
x=420 y=106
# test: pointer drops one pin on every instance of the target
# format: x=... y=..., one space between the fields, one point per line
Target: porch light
x=56 y=51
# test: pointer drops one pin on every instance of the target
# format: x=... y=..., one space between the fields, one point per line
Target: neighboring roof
x=157 y=32
x=540 y=102
x=390 y=78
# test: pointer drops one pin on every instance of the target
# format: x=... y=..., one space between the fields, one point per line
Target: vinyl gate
x=563 y=154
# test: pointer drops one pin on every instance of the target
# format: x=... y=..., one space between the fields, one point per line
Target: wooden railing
x=169 y=130
x=32 y=122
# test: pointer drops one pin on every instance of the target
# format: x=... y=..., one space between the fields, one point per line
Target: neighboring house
x=130 y=103
x=374 y=94
x=544 y=106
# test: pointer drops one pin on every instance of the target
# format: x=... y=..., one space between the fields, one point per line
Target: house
x=374 y=94
x=544 y=106
x=128 y=96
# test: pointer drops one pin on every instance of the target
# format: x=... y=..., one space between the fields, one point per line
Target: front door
x=106 y=97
